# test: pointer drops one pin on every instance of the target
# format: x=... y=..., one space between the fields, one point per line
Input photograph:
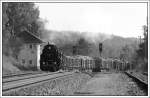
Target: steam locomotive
x=50 y=58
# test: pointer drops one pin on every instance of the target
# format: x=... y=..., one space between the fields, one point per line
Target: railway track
x=20 y=74
x=141 y=79
x=27 y=81
x=25 y=76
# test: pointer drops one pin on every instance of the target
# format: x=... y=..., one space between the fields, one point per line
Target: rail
x=25 y=76
x=138 y=77
x=19 y=74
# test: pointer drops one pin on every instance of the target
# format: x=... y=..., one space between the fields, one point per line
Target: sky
x=122 y=19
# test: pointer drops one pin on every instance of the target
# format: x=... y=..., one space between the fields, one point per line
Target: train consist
x=54 y=60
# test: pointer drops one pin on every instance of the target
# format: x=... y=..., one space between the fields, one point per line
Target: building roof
x=28 y=37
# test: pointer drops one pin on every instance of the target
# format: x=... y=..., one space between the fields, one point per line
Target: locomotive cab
x=50 y=59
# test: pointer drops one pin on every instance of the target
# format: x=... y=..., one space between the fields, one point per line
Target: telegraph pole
x=140 y=39
x=145 y=42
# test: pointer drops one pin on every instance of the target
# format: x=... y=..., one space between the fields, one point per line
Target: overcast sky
x=123 y=19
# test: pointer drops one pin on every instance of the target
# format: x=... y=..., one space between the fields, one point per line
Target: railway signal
x=100 y=48
x=74 y=50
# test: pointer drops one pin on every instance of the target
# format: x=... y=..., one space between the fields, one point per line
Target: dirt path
x=110 y=84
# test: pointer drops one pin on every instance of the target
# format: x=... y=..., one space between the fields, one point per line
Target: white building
x=29 y=55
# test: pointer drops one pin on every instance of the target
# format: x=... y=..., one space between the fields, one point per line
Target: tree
x=17 y=16
x=142 y=52
x=124 y=55
x=21 y=15
x=143 y=47
x=5 y=19
x=83 y=47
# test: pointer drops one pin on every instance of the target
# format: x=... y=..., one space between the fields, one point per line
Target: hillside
x=112 y=45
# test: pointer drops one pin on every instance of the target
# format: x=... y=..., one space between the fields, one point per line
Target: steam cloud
x=61 y=38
